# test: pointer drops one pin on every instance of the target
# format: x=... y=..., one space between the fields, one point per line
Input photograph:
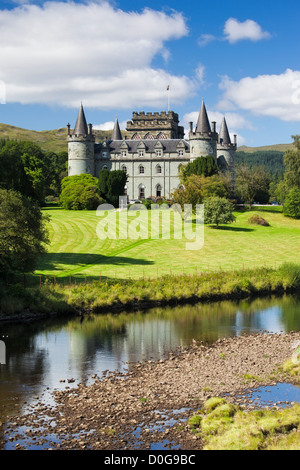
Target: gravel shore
x=152 y=401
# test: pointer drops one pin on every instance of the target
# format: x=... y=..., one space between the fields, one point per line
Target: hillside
x=276 y=147
x=56 y=140
x=53 y=140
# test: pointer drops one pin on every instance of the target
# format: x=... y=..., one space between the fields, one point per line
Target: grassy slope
x=53 y=140
x=75 y=249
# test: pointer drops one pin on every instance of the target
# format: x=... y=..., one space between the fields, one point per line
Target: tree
x=80 y=192
x=26 y=168
x=252 y=183
x=218 y=210
x=198 y=187
x=292 y=164
x=291 y=206
x=23 y=234
x=205 y=166
x=112 y=184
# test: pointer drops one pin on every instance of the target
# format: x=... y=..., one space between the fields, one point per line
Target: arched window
x=158 y=169
x=104 y=167
x=141 y=191
x=136 y=136
x=149 y=136
x=124 y=168
x=158 y=190
x=141 y=170
x=161 y=136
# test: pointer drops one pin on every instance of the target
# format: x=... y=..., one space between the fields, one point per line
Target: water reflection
x=39 y=355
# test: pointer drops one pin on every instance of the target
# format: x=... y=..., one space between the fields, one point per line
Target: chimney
x=191 y=127
x=213 y=126
x=90 y=126
x=235 y=139
x=68 y=126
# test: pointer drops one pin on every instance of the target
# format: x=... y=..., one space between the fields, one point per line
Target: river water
x=52 y=354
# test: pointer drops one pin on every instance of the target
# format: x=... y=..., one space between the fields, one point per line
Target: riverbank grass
x=224 y=426
x=110 y=294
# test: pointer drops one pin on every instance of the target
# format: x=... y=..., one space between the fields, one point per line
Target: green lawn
x=76 y=251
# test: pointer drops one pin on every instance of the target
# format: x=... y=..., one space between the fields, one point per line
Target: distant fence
x=67 y=280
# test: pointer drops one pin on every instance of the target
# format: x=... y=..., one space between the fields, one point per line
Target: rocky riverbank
x=152 y=401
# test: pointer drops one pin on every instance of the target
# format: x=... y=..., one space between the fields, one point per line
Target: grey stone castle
x=152 y=152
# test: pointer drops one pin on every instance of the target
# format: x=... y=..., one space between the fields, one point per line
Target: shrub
x=291 y=206
x=80 y=193
x=258 y=220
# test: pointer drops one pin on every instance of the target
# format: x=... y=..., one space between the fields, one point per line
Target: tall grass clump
x=228 y=427
x=290 y=275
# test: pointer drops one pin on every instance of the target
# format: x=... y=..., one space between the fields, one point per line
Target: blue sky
x=242 y=58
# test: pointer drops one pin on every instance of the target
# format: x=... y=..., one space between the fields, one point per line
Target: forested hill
x=272 y=160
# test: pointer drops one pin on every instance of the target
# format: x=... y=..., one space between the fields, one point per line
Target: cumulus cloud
x=266 y=95
x=235 y=31
x=93 y=52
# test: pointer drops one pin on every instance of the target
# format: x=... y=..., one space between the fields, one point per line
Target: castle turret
x=226 y=149
x=203 y=141
x=116 y=135
x=81 y=147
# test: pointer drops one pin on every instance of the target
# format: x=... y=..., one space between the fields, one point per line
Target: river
x=52 y=354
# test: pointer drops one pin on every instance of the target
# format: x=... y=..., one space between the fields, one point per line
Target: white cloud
x=205 y=39
x=109 y=125
x=235 y=31
x=266 y=95
x=69 y=52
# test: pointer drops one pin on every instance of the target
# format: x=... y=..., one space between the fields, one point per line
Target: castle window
x=141 y=191
x=104 y=167
x=141 y=169
x=158 y=190
x=158 y=153
x=161 y=136
x=141 y=153
x=158 y=169
x=180 y=153
x=124 y=168
x=124 y=153
x=149 y=136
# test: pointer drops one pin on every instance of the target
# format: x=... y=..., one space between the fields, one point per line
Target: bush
x=80 y=193
x=291 y=206
x=258 y=220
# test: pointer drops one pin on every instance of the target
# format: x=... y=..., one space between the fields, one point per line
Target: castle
x=152 y=152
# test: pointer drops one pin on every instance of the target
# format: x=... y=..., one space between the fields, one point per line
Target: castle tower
x=116 y=135
x=226 y=149
x=81 y=147
x=203 y=141
x=154 y=126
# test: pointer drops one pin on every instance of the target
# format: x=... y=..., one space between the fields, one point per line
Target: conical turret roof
x=203 y=126
x=81 y=127
x=116 y=135
x=224 y=136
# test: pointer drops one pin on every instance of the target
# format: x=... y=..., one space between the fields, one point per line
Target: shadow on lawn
x=233 y=229
x=54 y=261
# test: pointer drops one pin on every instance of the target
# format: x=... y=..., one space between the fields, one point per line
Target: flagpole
x=168 y=90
